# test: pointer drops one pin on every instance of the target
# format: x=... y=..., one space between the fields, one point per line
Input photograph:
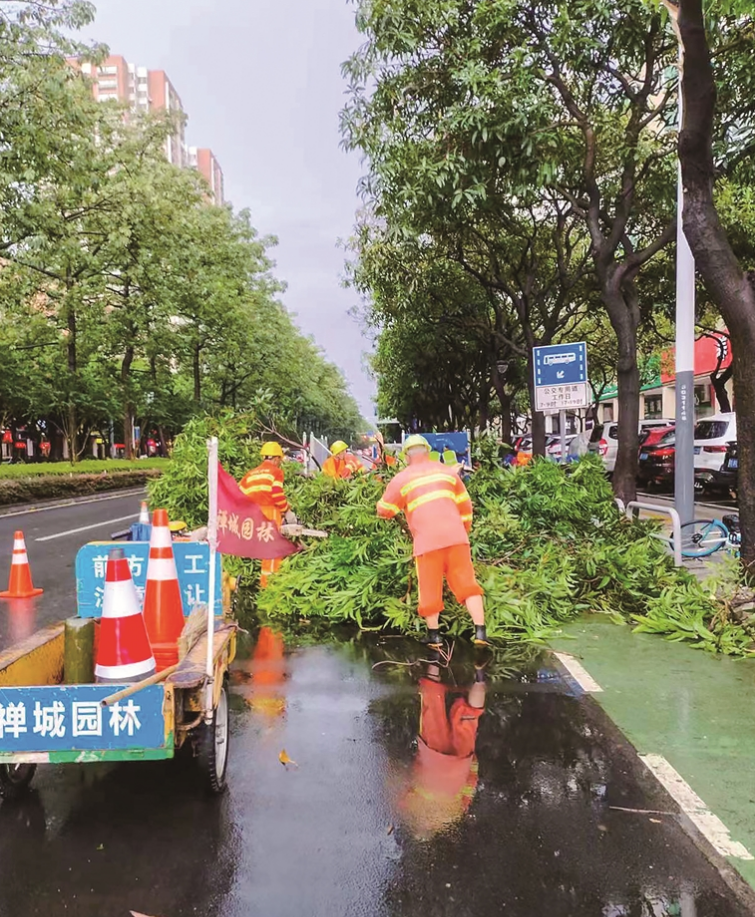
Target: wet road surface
x=52 y=561
x=409 y=796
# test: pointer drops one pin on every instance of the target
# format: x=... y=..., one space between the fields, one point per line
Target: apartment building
x=204 y=161
x=143 y=90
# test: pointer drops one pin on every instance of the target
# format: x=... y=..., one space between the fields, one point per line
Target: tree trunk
x=718 y=381
x=731 y=288
x=538 y=418
x=128 y=408
x=197 y=373
x=72 y=418
x=624 y=314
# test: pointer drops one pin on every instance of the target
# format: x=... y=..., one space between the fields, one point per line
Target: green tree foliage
x=126 y=298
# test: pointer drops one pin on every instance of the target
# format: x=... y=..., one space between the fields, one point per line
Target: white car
x=712 y=436
x=605 y=439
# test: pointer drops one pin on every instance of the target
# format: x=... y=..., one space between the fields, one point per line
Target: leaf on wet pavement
x=285 y=760
x=137 y=914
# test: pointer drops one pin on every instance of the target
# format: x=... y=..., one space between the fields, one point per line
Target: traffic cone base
x=20 y=585
x=123 y=651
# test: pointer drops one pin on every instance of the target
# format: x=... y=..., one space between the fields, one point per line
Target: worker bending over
x=264 y=486
x=341 y=463
x=439 y=513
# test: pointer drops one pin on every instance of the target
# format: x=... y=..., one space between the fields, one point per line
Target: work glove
x=290 y=518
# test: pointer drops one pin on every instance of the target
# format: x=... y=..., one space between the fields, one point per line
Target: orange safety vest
x=342 y=466
x=435 y=502
x=264 y=486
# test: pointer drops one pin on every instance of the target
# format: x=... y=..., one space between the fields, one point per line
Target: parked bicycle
x=706 y=536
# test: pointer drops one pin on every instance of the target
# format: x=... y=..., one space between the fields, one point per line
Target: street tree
x=458 y=106
x=716 y=143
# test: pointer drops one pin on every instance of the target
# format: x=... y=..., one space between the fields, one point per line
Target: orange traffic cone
x=123 y=650
x=144 y=514
x=163 y=608
x=20 y=585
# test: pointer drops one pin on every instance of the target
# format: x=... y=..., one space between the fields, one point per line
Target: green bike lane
x=689 y=714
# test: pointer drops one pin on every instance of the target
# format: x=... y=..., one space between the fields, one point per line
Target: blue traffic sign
x=192 y=565
x=561 y=364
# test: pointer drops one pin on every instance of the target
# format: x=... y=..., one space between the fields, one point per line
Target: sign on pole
x=561 y=377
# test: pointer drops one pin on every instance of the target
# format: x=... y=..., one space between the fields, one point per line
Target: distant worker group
x=438 y=510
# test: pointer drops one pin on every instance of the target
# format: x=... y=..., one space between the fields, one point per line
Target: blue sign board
x=192 y=564
x=456 y=442
x=72 y=718
x=561 y=364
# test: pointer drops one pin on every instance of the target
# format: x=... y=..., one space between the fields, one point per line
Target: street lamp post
x=684 y=471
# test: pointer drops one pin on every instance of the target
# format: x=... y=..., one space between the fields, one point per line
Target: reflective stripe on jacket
x=436 y=504
x=264 y=486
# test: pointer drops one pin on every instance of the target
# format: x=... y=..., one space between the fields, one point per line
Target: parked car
x=651 y=436
x=553 y=448
x=724 y=482
x=605 y=439
x=656 y=463
x=712 y=437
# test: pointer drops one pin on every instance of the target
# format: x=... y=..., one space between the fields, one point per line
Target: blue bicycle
x=706 y=536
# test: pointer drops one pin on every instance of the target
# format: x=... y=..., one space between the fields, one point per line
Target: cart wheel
x=213 y=747
x=15 y=779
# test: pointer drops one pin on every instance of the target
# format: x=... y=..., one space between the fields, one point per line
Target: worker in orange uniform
x=439 y=513
x=341 y=463
x=264 y=486
x=444 y=774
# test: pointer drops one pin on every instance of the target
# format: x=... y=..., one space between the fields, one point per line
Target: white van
x=605 y=438
x=712 y=435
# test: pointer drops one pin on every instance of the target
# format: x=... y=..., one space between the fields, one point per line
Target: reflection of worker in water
x=268 y=675
x=444 y=773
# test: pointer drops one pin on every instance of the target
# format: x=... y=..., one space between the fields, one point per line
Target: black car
x=722 y=483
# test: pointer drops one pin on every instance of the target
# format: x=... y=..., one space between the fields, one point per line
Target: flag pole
x=212 y=538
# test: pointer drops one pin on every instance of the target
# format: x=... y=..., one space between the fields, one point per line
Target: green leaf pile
x=548 y=542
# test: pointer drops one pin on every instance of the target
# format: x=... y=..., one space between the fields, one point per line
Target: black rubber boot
x=432 y=639
x=481 y=636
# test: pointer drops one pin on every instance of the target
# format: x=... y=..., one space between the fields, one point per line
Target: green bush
x=49 y=487
x=88 y=466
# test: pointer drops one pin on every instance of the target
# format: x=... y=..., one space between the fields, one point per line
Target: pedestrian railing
x=634 y=507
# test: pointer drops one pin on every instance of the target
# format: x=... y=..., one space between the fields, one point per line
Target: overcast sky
x=261 y=83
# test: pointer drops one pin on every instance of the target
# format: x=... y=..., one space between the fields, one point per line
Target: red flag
x=243 y=530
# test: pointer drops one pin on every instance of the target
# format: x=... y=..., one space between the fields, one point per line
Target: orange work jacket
x=435 y=502
x=264 y=486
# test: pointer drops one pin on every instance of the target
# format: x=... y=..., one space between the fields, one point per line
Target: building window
x=608 y=413
x=653 y=405
x=108 y=84
x=702 y=395
x=108 y=70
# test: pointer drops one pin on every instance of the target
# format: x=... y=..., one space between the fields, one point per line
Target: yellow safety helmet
x=412 y=442
x=338 y=447
x=272 y=450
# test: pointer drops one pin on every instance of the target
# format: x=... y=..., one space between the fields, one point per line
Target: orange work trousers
x=453 y=564
x=273 y=565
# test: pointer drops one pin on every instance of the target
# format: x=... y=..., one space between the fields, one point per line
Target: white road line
x=710 y=825
x=86 y=528
x=32 y=511
x=578 y=673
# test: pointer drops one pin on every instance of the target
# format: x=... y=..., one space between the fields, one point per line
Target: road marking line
x=86 y=528
x=710 y=825
x=69 y=503
x=579 y=673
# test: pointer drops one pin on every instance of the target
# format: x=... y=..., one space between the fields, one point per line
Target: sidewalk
x=684 y=708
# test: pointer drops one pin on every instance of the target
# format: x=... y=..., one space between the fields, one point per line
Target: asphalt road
x=53 y=536
x=514 y=797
